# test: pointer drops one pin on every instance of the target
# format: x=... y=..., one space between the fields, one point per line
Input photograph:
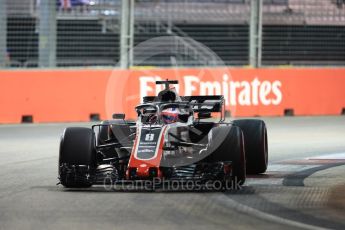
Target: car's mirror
x=183 y=117
x=204 y=115
x=119 y=116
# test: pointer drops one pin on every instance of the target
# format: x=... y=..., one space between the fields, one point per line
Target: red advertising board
x=72 y=95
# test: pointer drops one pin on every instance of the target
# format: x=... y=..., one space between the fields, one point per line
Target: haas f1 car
x=175 y=138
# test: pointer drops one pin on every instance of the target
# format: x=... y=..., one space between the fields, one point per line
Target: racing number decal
x=149 y=137
x=148 y=143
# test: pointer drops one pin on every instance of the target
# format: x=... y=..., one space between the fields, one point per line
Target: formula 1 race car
x=175 y=138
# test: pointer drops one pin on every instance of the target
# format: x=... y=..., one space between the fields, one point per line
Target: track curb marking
x=263 y=215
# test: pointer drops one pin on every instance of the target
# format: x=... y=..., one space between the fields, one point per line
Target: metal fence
x=74 y=33
x=304 y=32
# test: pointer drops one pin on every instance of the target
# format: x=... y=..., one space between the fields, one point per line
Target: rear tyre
x=255 y=142
x=226 y=144
x=77 y=158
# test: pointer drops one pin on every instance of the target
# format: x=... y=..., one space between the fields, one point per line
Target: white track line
x=334 y=156
x=286 y=168
x=265 y=216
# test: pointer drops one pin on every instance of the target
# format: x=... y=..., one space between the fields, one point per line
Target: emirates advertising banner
x=74 y=95
x=247 y=92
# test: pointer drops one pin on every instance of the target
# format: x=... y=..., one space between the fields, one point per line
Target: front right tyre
x=77 y=157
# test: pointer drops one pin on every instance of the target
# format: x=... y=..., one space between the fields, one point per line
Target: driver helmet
x=167 y=95
x=170 y=115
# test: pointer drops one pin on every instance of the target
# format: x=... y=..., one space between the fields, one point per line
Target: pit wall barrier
x=81 y=95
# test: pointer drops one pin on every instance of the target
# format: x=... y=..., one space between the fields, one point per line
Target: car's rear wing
x=205 y=103
x=198 y=103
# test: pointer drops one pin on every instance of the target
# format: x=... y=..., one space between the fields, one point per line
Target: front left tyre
x=77 y=157
x=255 y=140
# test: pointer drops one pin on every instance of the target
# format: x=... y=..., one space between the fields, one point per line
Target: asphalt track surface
x=299 y=191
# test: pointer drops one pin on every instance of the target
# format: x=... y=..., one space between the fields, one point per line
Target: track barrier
x=93 y=94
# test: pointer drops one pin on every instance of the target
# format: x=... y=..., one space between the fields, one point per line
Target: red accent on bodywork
x=143 y=166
